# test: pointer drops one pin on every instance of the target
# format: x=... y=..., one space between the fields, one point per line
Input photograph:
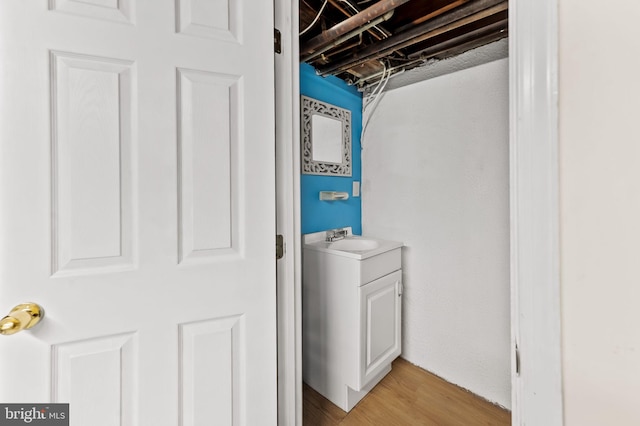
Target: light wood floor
x=408 y=396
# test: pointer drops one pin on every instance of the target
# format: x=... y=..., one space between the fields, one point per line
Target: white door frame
x=534 y=187
x=289 y=280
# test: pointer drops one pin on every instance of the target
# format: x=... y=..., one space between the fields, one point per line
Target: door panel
x=137 y=207
x=210 y=18
x=380 y=317
x=208 y=120
x=99 y=375
x=210 y=362
x=92 y=204
x=110 y=10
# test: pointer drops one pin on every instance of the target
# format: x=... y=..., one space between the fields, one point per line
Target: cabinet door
x=380 y=315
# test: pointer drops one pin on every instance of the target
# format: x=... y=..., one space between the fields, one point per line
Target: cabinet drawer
x=380 y=265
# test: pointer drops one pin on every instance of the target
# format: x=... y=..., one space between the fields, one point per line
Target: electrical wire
x=315 y=19
x=372 y=95
x=373 y=99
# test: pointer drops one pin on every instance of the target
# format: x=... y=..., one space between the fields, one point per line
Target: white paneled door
x=137 y=207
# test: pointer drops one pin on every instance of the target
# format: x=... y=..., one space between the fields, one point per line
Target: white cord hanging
x=372 y=95
x=315 y=19
x=373 y=99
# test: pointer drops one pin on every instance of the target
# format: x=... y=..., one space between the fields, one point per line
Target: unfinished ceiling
x=361 y=41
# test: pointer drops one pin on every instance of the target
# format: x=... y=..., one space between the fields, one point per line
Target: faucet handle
x=336 y=234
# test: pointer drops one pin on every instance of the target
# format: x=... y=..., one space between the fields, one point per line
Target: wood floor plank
x=407 y=396
x=318 y=410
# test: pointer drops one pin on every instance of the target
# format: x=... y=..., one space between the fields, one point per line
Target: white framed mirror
x=326 y=138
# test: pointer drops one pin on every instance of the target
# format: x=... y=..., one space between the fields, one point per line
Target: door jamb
x=289 y=278
x=534 y=189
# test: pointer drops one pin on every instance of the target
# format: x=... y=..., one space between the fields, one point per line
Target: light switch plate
x=356 y=188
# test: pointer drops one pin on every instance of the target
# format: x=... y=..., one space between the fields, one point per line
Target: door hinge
x=277 y=41
x=400 y=289
x=279 y=247
x=517 y=360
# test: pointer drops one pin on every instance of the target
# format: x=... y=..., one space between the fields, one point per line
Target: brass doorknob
x=22 y=317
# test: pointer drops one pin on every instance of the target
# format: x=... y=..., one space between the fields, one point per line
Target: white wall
x=435 y=176
x=599 y=115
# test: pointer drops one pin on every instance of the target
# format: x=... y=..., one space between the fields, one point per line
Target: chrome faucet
x=336 y=234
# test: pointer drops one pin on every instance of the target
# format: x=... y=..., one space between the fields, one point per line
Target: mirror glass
x=325 y=138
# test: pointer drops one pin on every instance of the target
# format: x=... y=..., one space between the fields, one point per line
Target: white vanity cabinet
x=351 y=315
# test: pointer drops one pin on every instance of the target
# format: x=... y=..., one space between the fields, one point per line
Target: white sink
x=352 y=244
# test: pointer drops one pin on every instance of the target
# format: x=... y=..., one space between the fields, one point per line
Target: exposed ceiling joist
x=414 y=30
x=355 y=22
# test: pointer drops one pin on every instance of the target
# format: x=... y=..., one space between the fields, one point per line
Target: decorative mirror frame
x=308 y=108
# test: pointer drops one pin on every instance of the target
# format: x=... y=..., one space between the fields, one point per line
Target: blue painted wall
x=319 y=215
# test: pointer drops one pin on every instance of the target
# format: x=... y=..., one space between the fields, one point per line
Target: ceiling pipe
x=470 y=38
x=347 y=36
x=343 y=48
x=362 y=85
x=416 y=34
x=473 y=39
x=345 y=12
x=431 y=15
x=355 y=10
x=350 y=24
